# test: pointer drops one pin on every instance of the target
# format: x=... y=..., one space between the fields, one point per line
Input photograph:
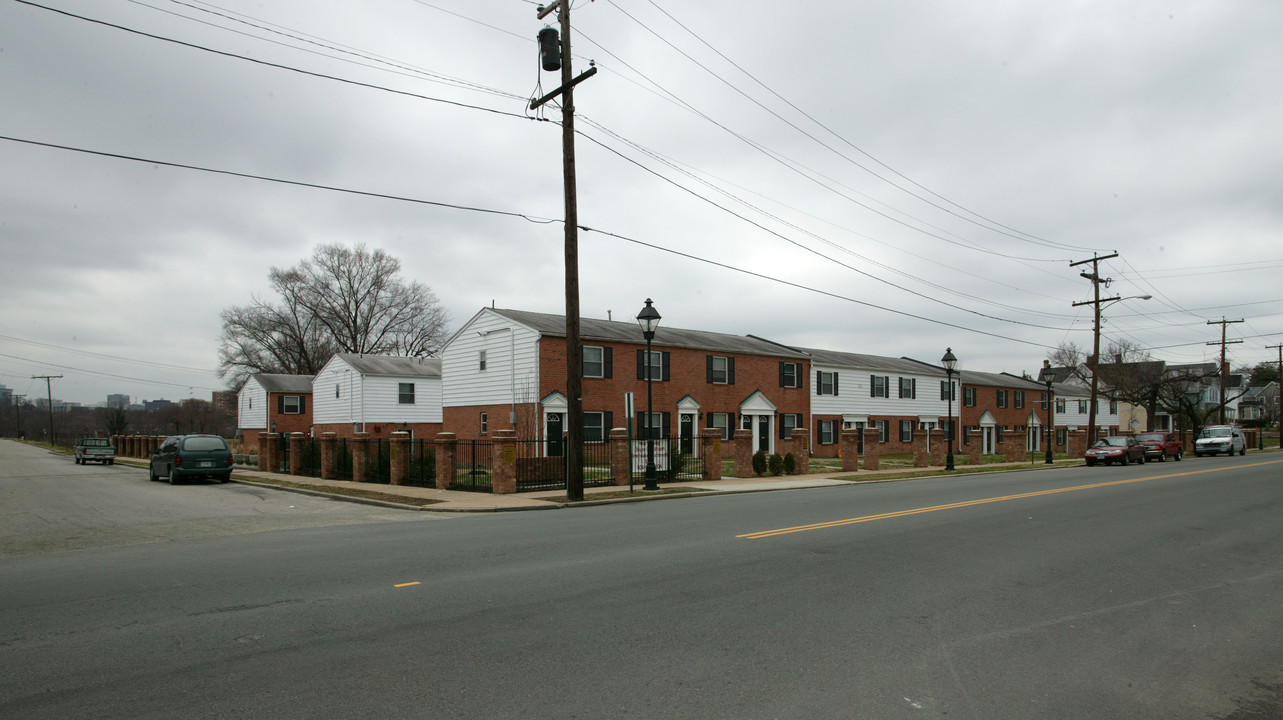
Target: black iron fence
x=473 y=469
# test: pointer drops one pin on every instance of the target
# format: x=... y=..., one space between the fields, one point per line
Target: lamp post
x=648 y=318
x=950 y=363
x=1051 y=420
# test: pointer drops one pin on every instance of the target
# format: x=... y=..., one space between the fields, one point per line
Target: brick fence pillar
x=872 y=451
x=742 y=451
x=329 y=456
x=1013 y=446
x=127 y=446
x=710 y=452
x=400 y=458
x=268 y=449
x=920 y=457
x=1076 y=445
x=503 y=463
x=447 y=459
x=360 y=444
x=939 y=447
x=1188 y=439
x=297 y=440
x=802 y=451
x=849 y=449
x=621 y=466
x=975 y=446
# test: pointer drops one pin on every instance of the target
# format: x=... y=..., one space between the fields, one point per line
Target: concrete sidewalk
x=462 y=501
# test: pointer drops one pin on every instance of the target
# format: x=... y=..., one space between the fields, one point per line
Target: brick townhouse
x=506 y=369
x=272 y=402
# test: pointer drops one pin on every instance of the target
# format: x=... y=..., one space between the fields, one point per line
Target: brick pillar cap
x=328 y=435
x=445 y=436
x=361 y=436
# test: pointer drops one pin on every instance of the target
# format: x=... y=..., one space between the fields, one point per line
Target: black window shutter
x=730 y=371
x=665 y=426
x=819 y=382
x=781 y=374
x=730 y=423
x=913 y=388
x=608 y=362
x=709 y=359
x=835 y=384
x=886 y=383
x=280 y=404
x=901 y=383
x=302 y=403
x=665 y=371
x=641 y=363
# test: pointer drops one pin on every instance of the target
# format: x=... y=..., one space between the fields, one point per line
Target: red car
x=1161 y=445
x=1115 y=448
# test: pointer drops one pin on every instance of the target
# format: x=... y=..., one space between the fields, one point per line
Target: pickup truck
x=1161 y=445
x=98 y=449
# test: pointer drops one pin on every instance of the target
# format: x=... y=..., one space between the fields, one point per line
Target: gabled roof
x=281 y=383
x=1058 y=374
x=1148 y=371
x=393 y=366
x=870 y=362
x=1002 y=380
x=591 y=329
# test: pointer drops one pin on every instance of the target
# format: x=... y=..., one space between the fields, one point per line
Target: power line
x=108 y=375
x=165 y=366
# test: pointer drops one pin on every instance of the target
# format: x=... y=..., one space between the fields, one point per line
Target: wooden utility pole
x=1223 y=371
x=1094 y=277
x=49 y=388
x=1280 y=384
x=574 y=446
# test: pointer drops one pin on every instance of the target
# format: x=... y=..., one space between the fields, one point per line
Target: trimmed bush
x=790 y=464
x=759 y=462
x=777 y=464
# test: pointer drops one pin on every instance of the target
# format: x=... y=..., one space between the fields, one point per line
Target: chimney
x=1046 y=364
x=1118 y=358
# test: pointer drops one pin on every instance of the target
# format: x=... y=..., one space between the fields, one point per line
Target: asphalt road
x=1150 y=591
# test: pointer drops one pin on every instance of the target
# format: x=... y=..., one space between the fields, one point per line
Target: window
x=1060 y=405
x=788 y=422
x=906 y=431
x=291 y=404
x=1002 y=398
x=827 y=432
x=879 y=386
x=336 y=391
x=746 y=422
x=883 y=430
x=997 y=433
x=481 y=360
x=1020 y=399
x=909 y=388
x=969 y=396
x=1044 y=401
x=948 y=391
x=721 y=421
x=655 y=429
x=1113 y=407
x=1082 y=406
x=597 y=361
x=721 y=370
x=790 y=375
x=405 y=393
x=826 y=383
x=485 y=424
x=595 y=426
x=1061 y=435
x=659 y=365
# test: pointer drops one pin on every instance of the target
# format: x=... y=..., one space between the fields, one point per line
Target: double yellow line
x=983 y=501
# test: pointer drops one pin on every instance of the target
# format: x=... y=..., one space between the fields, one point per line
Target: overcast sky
x=882 y=178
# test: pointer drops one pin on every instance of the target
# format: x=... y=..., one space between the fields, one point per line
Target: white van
x=1220 y=439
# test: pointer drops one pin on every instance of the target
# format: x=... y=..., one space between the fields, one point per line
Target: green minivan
x=182 y=457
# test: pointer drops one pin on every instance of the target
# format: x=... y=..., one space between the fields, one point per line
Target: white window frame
x=600 y=362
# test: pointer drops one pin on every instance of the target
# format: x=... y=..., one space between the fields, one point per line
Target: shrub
x=759 y=462
x=777 y=464
x=790 y=464
x=676 y=461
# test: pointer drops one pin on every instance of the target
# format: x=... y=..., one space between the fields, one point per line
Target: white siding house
x=491 y=360
x=379 y=394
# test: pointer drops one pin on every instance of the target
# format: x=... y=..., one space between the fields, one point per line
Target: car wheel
x=1123 y=460
x=225 y=478
x=1179 y=454
x=1242 y=451
x=173 y=478
x=151 y=474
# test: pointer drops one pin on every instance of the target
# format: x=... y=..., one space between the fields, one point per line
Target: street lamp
x=950 y=364
x=1051 y=419
x=648 y=318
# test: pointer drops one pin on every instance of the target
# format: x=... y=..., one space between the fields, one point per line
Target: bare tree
x=341 y=300
x=1069 y=355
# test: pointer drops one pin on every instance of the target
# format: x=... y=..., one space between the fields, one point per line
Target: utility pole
x=1280 y=384
x=49 y=388
x=1094 y=277
x=17 y=412
x=1224 y=370
x=574 y=446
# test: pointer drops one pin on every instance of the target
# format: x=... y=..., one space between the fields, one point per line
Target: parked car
x=1121 y=449
x=1220 y=439
x=1161 y=445
x=183 y=457
x=96 y=449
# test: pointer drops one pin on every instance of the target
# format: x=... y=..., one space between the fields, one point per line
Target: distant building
x=152 y=406
x=117 y=401
x=6 y=396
